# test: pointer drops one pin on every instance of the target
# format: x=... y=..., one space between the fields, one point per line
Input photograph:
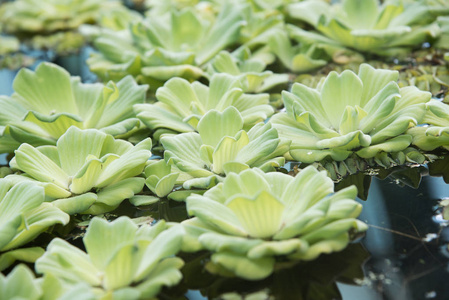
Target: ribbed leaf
x=76 y=145
x=244 y=267
x=29 y=160
x=339 y=91
x=260 y=216
x=215 y=125
x=214 y=214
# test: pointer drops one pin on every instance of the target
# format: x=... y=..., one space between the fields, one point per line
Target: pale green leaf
x=215 y=125
x=259 y=216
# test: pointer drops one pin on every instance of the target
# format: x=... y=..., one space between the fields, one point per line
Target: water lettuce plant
x=250 y=70
x=157 y=49
x=122 y=260
x=19 y=284
x=221 y=146
x=87 y=171
x=252 y=219
x=24 y=214
x=48 y=101
x=181 y=104
x=46 y=16
x=299 y=58
x=436 y=133
x=387 y=29
x=365 y=113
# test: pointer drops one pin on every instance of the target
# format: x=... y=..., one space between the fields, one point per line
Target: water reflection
x=304 y=280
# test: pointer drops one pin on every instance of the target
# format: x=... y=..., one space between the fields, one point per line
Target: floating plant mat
x=403 y=255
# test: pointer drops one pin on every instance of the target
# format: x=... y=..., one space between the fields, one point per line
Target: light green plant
x=181 y=104
x=348 y=113
x=221 y=146
x=299 y=58
x=122 y=260
x=46 y=16
x=389 y=29
x=251 y=71
x=87 y=171
x=252 y=219
x=48 y=101
x=23 y=216
x=19 y=284
x=436 y=133
x=8 y=44
x=156 y=49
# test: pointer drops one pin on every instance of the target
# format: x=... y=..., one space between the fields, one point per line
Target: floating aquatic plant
x=19 y=284
x=299 y=58
x=48 y=101
x=122 y=260
x=182 y=104
x=253 y=218
x=156 y=49
x=367 y=26
x=221 y=146
x=437 y=133
x=348 y=113
x=87 y=171
x=23 y=216
x=251 y=71
x=46 y=16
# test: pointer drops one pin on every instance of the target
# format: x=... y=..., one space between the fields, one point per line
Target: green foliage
x=46 y=16
x=24 y=214
x=437 y=134
x=221 y=146
x=122 y=260
x=253 y=218
x=181 y=104
x=390 y=29
x=48 y=101
x=82 y=175
x=161 y=47
x=364 y=114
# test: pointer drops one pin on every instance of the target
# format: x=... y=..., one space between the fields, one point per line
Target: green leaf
x=39 y=166
x=339 y=91
x=19 y=284
x=361 y=15
x=215 y=125
x=104 y=239
x=252 y=269
x=67 y=262
x=260 y=216
x=76 y=204
x=28 y=255
x=215 y=214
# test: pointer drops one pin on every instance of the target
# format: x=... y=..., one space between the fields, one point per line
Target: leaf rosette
x=24 y=214
x=221 y=146
x=252 y=219
x=46 y=16
x=161 y=47
x=387 y=29
x=182 y=104
x=87 y=171
x=48 y=101
x=122 y=260
x=436 y=133
x=250 y=70
x=365 y=114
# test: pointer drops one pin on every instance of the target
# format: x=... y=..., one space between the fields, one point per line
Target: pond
x=403 y=255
